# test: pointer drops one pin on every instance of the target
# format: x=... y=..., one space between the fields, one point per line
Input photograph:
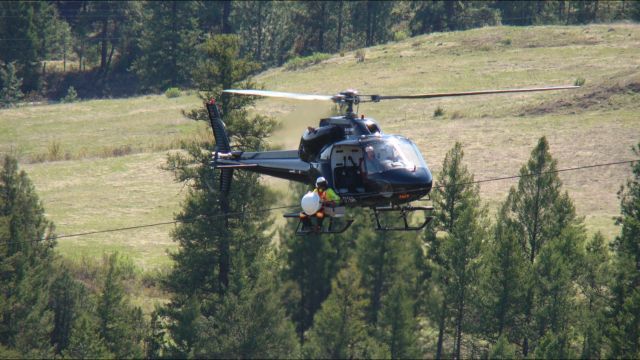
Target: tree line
x=120 y=48
x=527 y=282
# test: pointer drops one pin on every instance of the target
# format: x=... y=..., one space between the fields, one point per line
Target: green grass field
x=110 y=152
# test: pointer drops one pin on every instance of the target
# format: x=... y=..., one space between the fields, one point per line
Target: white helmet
x=321 y=180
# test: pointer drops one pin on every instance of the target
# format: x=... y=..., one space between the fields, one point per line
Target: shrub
x=54 y=151
x=579 y=81
x=438 y=112
x=400 y=35
x=10 y=85
x=505 y=42
x=71 y=96
x=172 y=92
x=302 y=62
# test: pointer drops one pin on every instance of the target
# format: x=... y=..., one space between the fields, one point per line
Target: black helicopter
x=365 y=167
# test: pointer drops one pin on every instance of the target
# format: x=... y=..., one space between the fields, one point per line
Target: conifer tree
x=167 y=44
x=538 y=211
x=502 y=349
x=85 y=341
x=10 y=85
x=64 y=297
x=398 y=326
x=26 y=243
x=594 y=285
x=502 y=286
x=624 y=328
x=312 y=263
x=382 y=261
x=556 y=271
x=213 y=245
x=339 y=330
x=119 y=323
x=249 y=322
x=453 y=198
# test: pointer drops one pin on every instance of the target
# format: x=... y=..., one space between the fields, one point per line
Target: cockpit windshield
x=392 y=153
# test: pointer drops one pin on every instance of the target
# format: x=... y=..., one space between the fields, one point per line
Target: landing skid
x=330 y=229
x=404 y=212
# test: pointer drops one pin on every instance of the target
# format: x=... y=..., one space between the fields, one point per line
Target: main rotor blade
x=279 y=94
x=376 y=98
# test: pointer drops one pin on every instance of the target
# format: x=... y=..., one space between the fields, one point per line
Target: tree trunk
x=441 y=325
x=174 y=45
x=459 y=319
x=377 y=286
x=259 y=48
x=103 y=47
x=339 y=40
x=323 y=24
x=226 y=15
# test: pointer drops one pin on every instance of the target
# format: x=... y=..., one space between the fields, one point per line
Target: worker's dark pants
x=306 y=219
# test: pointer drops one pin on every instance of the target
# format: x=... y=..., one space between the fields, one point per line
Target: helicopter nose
x=418 y=182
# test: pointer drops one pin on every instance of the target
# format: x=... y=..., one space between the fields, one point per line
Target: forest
x=527 y=282
x=89 y=49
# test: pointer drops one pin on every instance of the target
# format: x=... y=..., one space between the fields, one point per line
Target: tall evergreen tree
x=594 y=285
x=85 y=341
x=26 y=243
x=454 y=195
x=398 y=326
x=249 y=322
x=209 y=239
x=168 y=44
x=311 y=265
x=339 y=329
x=10 y=85
x=120 y=324
x=538 y=211
x=502 y=283
x=624 y=326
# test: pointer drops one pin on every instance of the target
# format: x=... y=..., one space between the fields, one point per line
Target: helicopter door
x=347 y=171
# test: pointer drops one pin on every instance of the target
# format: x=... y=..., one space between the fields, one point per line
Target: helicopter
x=364 y=166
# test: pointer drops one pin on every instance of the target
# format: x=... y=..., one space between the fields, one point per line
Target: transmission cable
x=242 y=213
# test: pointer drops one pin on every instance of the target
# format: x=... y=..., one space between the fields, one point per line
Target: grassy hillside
x=114 y=149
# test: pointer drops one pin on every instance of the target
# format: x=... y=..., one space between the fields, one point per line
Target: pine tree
x=502 y=349
x=10 y=84
x=64 y=297
x=85 y=341
x=339 y=330
x=215 y=247
x=457 y=204
x=382 y=261
x=556 y=271
x=249 y=322
x=119 y=323
x=26 y=243
x=398 y=326
x=594 y=284
x=624 y=328
x=502 y=283
x=312 y=263
x=167 y=44
x=462 y=248
x=538 y=212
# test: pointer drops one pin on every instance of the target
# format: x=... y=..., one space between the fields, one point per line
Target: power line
x=242 y=213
